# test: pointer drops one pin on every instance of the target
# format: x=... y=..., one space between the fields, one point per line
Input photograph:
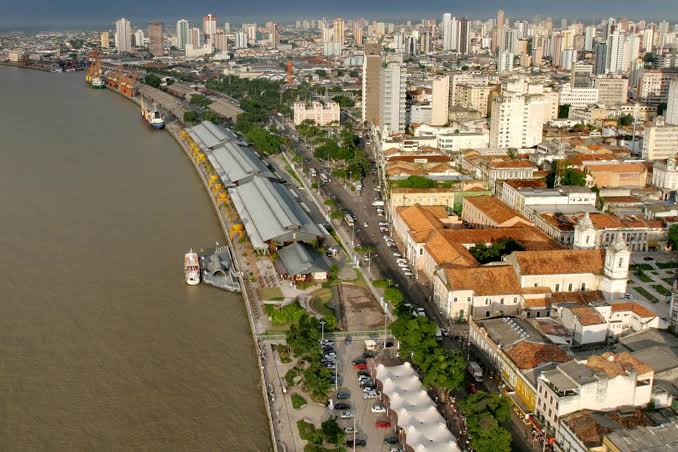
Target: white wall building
x=672 y=104
x=578 y=97
x=440 y=105
x=517 y=120
x=665 y=174
x=321 y=114
x=123 y=35
x=393 y=88
x=182 y=33
x=660 y=141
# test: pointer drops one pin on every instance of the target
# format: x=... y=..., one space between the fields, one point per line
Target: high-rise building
x=123 y=35
x=393 y=89
x=182 y=34
x=371 y=95
x=447 y=31
x=589 y=37
x=672 y=104
x=139 y=40
x=357 y=34
x=104 y=40
x=504 y=62
x=440 y=105
x=156 y=38
x=464 y=36
x=339 y=30
x=194 y=37
x=600 y=52
x=220 y=40
x=209 y=26
x=615 y=52
x=497 y=43
x=274 y=35
x=612 y=90
x=517 y=120
x=241 y=40
x=251 y=30
x=425 y=43
x=227 y=27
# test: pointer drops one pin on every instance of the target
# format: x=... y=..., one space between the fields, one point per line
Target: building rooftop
x=495 y=209
x=659 y=357
x=234 y=163
x=554 y=262
x=660 y=438
x=491 y=280
x=423 y=218
x=507 y=331
x=528 y=355
x=614 y=365
x=637 y=309
x=587 y=315
x=592 y=426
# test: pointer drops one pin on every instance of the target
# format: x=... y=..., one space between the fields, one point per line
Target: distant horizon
x=34 y=15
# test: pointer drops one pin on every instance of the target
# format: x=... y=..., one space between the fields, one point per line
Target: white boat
x=152 y=115
x=191 y=268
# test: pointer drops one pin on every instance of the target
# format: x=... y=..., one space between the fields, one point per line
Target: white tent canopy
x=424 y=427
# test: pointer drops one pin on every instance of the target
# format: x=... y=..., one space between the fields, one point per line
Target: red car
x=383 y=424
x=360 y=366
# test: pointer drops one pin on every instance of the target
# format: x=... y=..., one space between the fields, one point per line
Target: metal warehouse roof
x=270 y=212
x=236 y=164
x=208 y=135
x=300 y=259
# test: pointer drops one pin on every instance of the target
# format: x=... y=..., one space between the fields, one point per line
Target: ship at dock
x=192 y=268
x=95 y=75
x=152 y=115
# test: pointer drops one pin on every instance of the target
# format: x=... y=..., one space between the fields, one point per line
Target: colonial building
x=665 y=176
x=322 y=114
x=490 y=212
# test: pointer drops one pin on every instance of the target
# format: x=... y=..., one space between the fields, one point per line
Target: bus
x=324 y=178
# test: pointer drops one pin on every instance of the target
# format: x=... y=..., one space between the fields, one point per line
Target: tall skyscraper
x=241 y=40
x=339 y=31
x=589 y=36
x=209 y=26
x=440 y=105
x=497 y=43
x=182 y=34
x=227 y=27
x=155 y=35
x=517 y=120
x=393 y=88
x=464 y=36
x=357 y=35
x=615 y=52
x=123 y=35
x=447 y=31
x=194 y=37
x=600 y=51
x=274 y=35
x=139 y=40
x=220 y=40
x=371 y=95
x=104 y=40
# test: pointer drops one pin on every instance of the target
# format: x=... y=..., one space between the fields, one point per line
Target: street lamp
x=322 y=330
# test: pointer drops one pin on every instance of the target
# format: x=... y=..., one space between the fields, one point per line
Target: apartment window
x=557 y=287
x=421 y=252
x=569 y=287
x=583 y=286
x=455 y=299
x=515 y=300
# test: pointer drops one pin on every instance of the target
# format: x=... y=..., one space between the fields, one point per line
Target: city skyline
x=36 y=13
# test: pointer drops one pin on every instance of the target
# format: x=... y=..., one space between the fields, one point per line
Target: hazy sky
x=21 y=13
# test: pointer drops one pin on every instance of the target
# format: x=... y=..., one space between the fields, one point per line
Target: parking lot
x=365 y=420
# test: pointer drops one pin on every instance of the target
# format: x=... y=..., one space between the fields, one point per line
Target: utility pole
x=322 y=330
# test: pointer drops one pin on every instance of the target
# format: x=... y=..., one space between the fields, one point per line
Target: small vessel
x=152 y=115
x=94 y=74
x=98 y=83
x=192 y=268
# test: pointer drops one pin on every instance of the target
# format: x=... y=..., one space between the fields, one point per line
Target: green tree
x=200 y=100
x=444 y=370
x=152 y=80
x=673 y=237
x=344 y=101
x=393 y=296
x=564 y=111
x=496 y=251
x=304 y=336
x=417 y=182
x=416 y=336
x=570 y=176
x=625 y=120
x=332 y=433
x=190 y=116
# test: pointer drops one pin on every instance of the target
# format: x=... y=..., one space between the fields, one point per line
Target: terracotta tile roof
x=587 y=315
x=423 y=218
x=492 y=280
x=512 y=164
x=448 y=252
x=584 y=426
x=526 y=183
x=580 y=297
x=617 y=168
x=494 y=208
x=554 y=262
x=615 y=365
x=621 y=199
x=528 y=236
x=637 y=309
x=420 y=190
x=528 y=355
x=532 y=303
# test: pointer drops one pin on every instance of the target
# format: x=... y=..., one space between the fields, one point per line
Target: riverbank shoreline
x=174 y=129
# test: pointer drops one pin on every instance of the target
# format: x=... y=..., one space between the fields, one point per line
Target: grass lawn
x=306 y=429
x=646 y=294
x=321 y=301
x=642 y=276
x=661 y=290
x=271 y=293
x=667 y=264
x=298 y=402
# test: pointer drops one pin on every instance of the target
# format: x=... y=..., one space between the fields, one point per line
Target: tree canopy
x=496 y=251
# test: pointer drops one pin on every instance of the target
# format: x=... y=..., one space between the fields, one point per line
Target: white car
x=347 y=415
x=371 y=395
x=408 y=273
x=420 y=311
x=401 y=259
x=397 y=254
x=378 y=409
x=365 y=224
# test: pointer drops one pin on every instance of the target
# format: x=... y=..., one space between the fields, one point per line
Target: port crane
x=94 y=72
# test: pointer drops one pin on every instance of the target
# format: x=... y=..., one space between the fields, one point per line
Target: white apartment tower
x=440 y=105
x=616 y=43
x=672 y=104
x=517 y=119
x=123 y=35
x=393 y=87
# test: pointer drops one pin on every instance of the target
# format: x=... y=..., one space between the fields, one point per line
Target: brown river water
x=102 y=345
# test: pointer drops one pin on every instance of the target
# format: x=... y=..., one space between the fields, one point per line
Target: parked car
x=341 y=406
x=368 y=354
x=356 y=443
x=397 y=254
x=343 y=395
x=347 y=415
x=391 y=440
x=358 y=361
x=378 y=408
x=420 y=311
x=348 y=429
x=371 y=395
x=382 y=424
x=360 y=366
x=363 y=373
